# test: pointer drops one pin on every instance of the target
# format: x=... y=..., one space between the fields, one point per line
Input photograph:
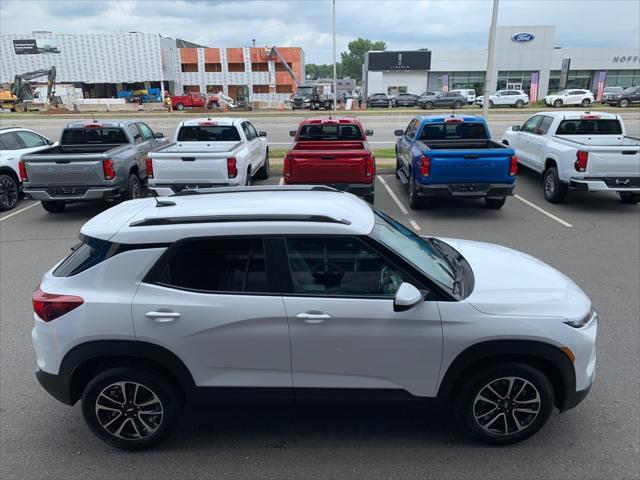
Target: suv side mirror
x=292 y=133
x=398 y=133
x=516 y=128
x=262 y=134
x=50 y=142
x=407 y=297
x=368 y=133
x=158 y=135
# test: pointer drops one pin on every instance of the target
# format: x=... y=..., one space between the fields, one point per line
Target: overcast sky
x=402 y=25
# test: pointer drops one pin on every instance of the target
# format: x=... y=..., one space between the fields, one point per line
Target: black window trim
x=273 y=283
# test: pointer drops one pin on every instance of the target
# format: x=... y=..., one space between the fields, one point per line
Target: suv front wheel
x=130 y=408
x=505 y=404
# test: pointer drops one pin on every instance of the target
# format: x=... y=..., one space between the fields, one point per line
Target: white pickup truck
x=580 y=151
x=209 y=152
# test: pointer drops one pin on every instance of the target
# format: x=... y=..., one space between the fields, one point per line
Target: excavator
x=18 y=95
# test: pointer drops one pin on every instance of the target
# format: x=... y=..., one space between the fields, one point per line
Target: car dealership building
x=526 y=58
x=103 y=64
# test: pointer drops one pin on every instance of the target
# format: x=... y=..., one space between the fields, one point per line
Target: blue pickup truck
x=453 y=156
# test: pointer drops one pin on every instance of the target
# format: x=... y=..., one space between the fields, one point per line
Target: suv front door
x=344 y=330
x=212 y=302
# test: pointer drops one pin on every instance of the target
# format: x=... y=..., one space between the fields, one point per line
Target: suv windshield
x=421 y=253
x=208 y=134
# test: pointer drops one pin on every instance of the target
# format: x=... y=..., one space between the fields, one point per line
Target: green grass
x=379 y=152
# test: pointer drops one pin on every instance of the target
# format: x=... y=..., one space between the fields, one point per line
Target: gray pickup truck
x=94 y=160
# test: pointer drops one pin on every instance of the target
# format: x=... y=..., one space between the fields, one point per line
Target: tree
x=353 y=59
x=316 y=71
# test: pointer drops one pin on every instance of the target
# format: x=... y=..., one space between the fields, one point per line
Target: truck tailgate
x=613 y=161
x=51 y=170
x=328 y=166
x=189 y=167
x=473 y=166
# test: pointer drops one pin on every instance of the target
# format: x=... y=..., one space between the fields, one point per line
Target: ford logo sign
x=522 y=37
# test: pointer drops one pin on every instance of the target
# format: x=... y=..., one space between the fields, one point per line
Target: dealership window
x=214 y=88
x=622 y=78
x=575 y=79
x=280 y=67
x=212 y=67
x=396 y=90
x=261 y=89
x=189 y=67
x=467 y=80
x=259 y=67
x=236 y=67
x=284 y=89
x=515 y=80
x=191 y=88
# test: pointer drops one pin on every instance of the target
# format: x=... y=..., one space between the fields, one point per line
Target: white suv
x=467 y=93
x=511 y=98
x=570 y=97
x=303 y=290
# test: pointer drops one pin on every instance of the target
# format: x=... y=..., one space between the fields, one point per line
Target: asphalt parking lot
x=593 y=238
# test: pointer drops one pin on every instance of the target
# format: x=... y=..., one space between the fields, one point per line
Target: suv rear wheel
x=623 y=103
x=505 y=403
x=130 y=408
x=585 y=103
x=557 y=103
x=519 y=104
x=428 y=105
x=8 y=192
x=53 y=206
x=457 y=104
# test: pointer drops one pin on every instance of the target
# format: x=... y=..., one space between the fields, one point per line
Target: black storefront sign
x=25 y=46
x=400 y=61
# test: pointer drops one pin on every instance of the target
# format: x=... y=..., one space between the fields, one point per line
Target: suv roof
x=237 y=211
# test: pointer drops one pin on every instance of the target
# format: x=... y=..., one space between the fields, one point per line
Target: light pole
x=488 y=78
x=335 y=81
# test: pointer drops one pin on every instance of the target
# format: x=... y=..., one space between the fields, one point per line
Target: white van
x=468 y=93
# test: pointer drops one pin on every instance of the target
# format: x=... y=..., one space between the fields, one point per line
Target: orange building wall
x=211 y=55
x=188 y=55
x=234 y=55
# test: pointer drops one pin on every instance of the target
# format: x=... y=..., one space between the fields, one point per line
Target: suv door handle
x=313 y=317
x=163 y=317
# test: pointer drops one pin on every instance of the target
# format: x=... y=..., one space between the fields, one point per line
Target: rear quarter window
x=86 y=254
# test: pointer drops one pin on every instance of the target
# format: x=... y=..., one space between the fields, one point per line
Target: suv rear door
x=215 y=304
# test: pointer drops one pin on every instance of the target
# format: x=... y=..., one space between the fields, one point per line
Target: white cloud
x=307 y=23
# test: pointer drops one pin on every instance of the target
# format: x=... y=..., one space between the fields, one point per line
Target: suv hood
x=509 y=282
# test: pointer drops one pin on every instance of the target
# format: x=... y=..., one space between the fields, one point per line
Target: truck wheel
x=247 y=180
x=457 y=105
x=585 y=103
x=370 y=198
x=263 y=172
x=554 y=190
x=397 y=164
x=8 y=192
x=490 y=103
x=131 y=408
x=629 y=197
x=415 y=201
x=428 y=105
x=557 y=103
x=623 y=103
x=134 y=188
x=519 y=104
x=179 y=106
x=53 y=206
x=505 y=403
x=494 y=203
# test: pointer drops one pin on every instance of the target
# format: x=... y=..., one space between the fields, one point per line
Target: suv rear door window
x=10 y=141
x=30 y=139
x=216 y=266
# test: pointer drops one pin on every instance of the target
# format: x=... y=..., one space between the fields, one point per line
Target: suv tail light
x=109 y=171
x=370 y=165
x=425 y=166
x=149 y=167
x=581 y=161
x=49 y=306
x=513 y=166
x=232 y=168
x=22 y=170
x=287 y=166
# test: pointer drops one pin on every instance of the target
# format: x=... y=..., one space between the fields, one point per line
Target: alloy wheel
x=129 y=410
x=8 y=193
x=506 y=405
x=549 y=185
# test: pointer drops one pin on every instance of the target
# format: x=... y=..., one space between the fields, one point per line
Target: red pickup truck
x=334 y=152
x=194 y=99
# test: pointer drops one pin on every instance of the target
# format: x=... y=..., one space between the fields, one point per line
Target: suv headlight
x=586 y=321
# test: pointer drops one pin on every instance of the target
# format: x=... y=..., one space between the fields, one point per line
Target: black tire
x=263 y=171
x=53 y=206
x=416 y=202
x=370 y=198
x=162 y=416
x=554 y=190
x=247 y=181
x=495 y=203
x=397 y=164
x=428 y=105
x=519 y=104
x=9 y=192
x=585 y=103
x=629 y=197
x=624 y=103
x=557 y=103
x=474 y=413
x=134 y=188
x=457 y=105
x=179 y=106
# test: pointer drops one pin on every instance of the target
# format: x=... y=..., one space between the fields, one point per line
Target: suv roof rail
x=268 y=217
x=260 y=188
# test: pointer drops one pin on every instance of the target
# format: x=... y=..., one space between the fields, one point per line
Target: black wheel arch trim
x=87 y=358
x=549 y=358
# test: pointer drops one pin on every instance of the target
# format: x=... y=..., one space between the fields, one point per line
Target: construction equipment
x=19 y=94
x=274 y=54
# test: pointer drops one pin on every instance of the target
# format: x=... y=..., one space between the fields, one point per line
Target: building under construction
x=103 y=64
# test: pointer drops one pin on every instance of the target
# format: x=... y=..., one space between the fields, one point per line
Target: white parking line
x=281 y=181
x=19 y=211
x=393 y=195
x=415 y=225
x=543 y=211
